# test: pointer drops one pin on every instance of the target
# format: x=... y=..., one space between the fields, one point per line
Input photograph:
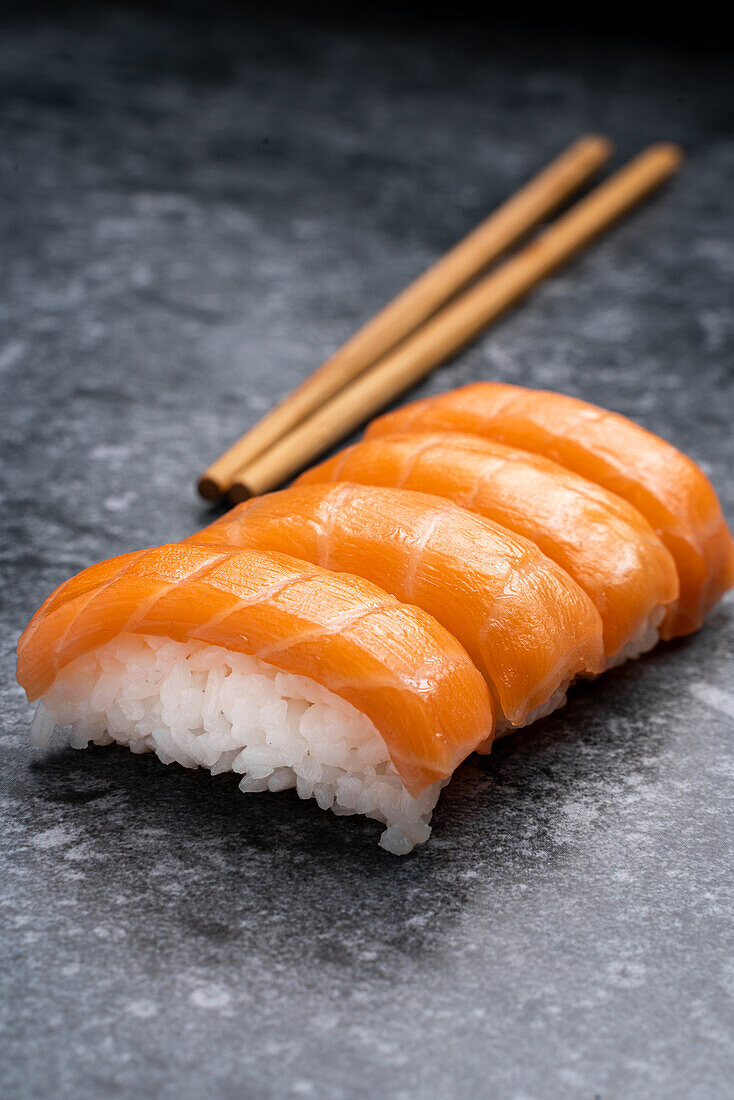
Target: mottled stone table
x=193 y=215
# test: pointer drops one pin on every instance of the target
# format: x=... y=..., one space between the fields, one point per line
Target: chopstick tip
x=670 y=152
x=208 y=488
x=599 y=143
x=238 y=493
x=662 y=157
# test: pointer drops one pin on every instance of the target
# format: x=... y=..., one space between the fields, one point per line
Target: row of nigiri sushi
x=447 y=577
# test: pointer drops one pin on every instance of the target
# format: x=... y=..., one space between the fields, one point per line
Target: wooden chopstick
x=505 y=227
x=460 y=321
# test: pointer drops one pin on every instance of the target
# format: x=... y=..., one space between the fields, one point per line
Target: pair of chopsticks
x=428 y=323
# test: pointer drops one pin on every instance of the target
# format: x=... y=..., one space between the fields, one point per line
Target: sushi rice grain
x=201 y=705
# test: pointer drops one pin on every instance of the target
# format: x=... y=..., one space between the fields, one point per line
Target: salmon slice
x=524 y=622
x=392 y=662
x=601 y=541
x=668 y=488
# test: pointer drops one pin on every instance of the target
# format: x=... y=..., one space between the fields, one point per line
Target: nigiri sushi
x=601 y=541
x=524 y=622
x=247 y=661
x=666 y=486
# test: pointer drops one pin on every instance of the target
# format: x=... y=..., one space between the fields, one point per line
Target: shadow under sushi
x=196 y=806
x=240 y=873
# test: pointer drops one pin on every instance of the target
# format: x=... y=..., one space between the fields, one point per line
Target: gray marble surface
x=193 y=215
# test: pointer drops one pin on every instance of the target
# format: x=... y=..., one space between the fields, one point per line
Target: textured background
x=193 y=214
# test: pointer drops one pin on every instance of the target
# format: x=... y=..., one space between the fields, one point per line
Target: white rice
x=646 y=638
x=556 y=700
x=204 y=706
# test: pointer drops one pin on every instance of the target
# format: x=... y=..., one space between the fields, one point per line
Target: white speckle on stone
x=11 y=354
x=55 y=837
x=626 y=974
x=727 y=979
x=577 y=814
x=714 y=697
x=120 y=502
x=110 y=932
x=141 y=275
x=143 y=1009
x=210 y=996
x=78 y=853
x=113 y=453
x=302 y=1087
x=580 y=811
x=326 y=1021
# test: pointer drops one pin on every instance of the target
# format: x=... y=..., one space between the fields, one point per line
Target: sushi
x=524 y=621
x=253 y=662
x=601 y=541
x=358 y=635
x=662 y=483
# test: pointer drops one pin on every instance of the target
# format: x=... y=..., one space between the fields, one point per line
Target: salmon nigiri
x=604 y=543
x=253 y=662
x=525 y=623
x=666 y=486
